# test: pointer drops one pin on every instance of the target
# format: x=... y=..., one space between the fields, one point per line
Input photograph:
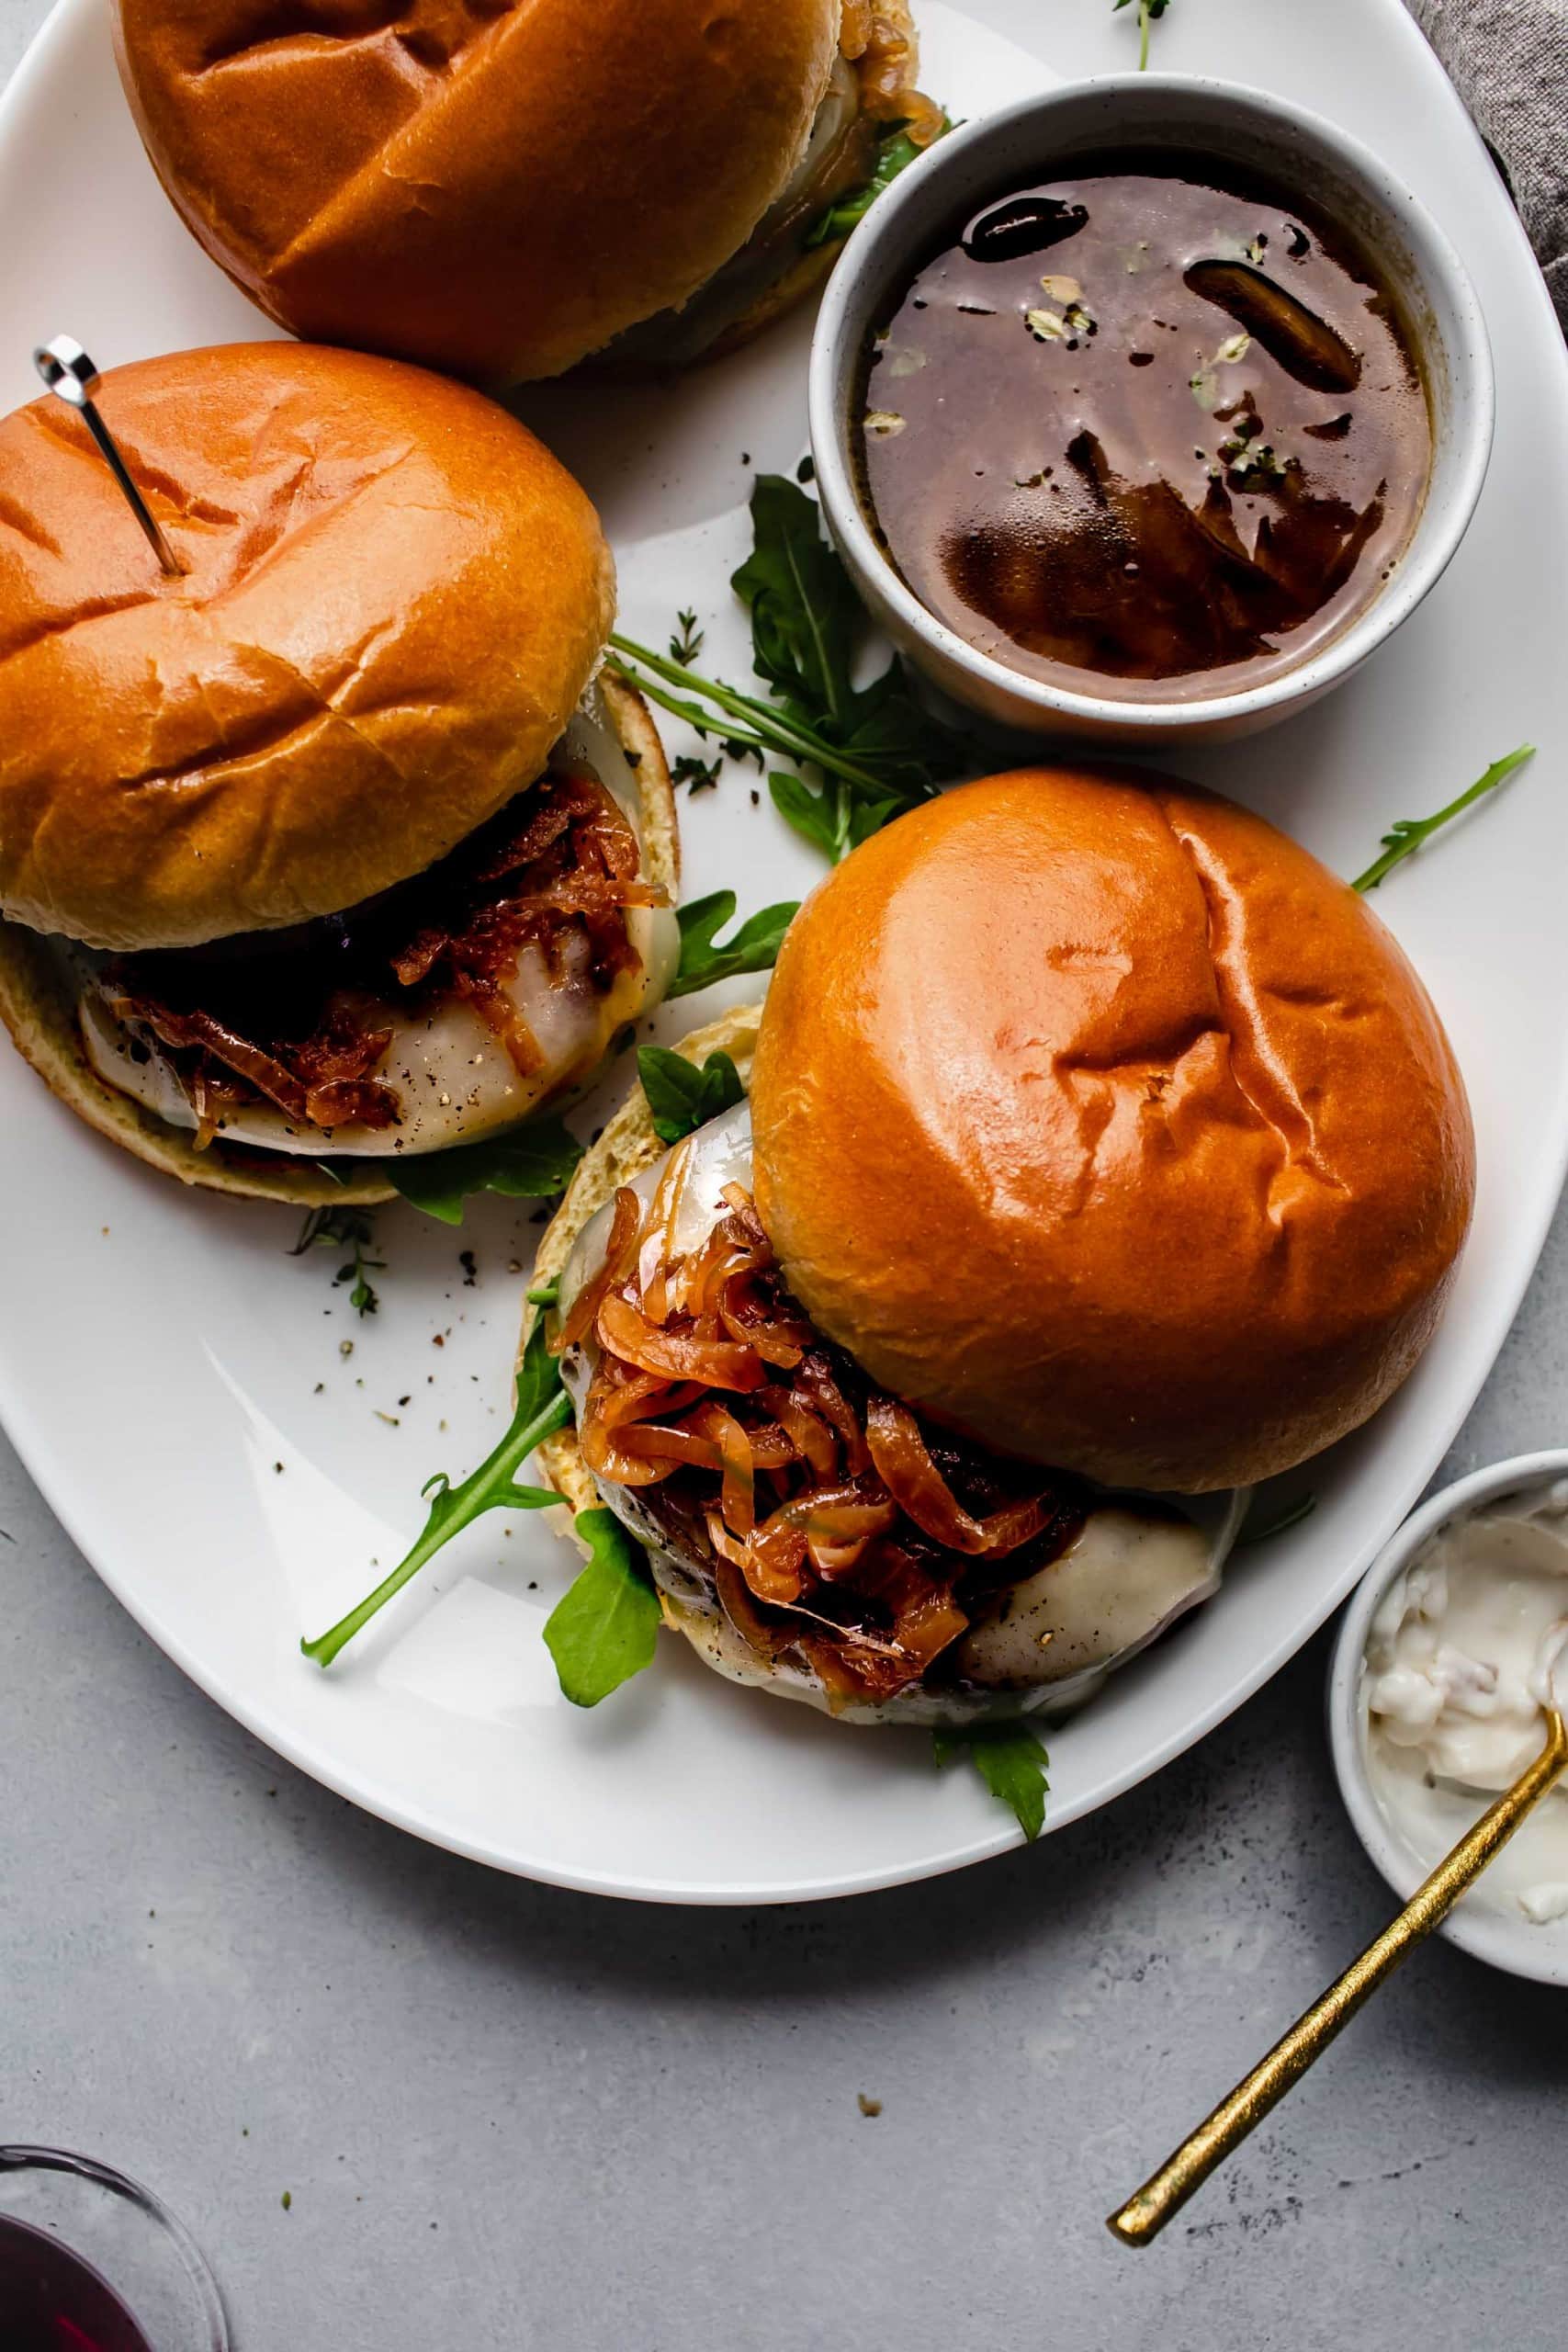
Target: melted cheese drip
x=455 y=1078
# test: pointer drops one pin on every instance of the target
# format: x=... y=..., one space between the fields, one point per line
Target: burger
x=504 y=191
x=337 y=847
x=1101 y=1155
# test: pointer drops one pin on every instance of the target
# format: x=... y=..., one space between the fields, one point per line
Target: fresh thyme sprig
x=1407 y=833
x=344 y=1229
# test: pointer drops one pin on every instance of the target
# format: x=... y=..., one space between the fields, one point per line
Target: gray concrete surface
x=507 y=2116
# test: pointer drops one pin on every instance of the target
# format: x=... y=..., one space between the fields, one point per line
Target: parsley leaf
x=1010 y=1759
x=530 y=1163
x=542 y=1408
x=897 y=151
x=683 y=1098
x=754 y=947
x=1407 y=833
x=604 y=1628
x=349 y=1228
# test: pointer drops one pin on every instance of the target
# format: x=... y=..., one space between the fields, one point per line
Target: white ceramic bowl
x=1300 y=153
x=1517 y=1945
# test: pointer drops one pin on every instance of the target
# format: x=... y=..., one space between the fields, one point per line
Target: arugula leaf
x=818 y=816
x=530 y=1163
x=1149 y=13
x=754 y=947
x=875 y=748
x=1010 y=1759
x=805 y=614
x=1407 y=833
x=681 y=1096
x=604 y=1628
x=897 y=151
x=542 y=1408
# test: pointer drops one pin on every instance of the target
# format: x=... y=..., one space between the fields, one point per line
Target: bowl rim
x=1440 y=529
x=1518 y=1947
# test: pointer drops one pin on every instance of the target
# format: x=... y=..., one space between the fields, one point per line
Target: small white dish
x=1517 y=1945
x=1299 y=151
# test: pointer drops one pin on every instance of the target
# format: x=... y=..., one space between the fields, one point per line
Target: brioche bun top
x=395 y=596
x=1098 y=1119
x=497 y=190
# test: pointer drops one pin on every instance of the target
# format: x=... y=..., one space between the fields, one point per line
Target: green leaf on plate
x=605 y=1627
x=754 y=947
x=683 y=1098
x=1011 y=1760
x=529 y=1163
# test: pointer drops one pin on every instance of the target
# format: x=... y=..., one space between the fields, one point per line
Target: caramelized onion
x=903 y=1461
x=719 y=1363
x=811 y=1438
x=620 y=1253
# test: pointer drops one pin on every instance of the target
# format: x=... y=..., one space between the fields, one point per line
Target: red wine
x=50 y=2301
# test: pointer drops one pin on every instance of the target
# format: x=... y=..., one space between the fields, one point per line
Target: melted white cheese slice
x=454 y=1077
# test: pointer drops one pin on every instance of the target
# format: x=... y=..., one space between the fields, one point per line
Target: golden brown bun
x=38 y=1006
x=1098 y=1119
x=395 y=597
x=497 y=191
x=626 y=1147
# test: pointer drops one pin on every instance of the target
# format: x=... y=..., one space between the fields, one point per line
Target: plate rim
x=1491 y=1320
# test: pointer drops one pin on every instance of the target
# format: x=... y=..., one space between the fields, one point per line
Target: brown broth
x=1191 y=466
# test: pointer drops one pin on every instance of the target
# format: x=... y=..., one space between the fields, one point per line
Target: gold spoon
x=1144 y=2215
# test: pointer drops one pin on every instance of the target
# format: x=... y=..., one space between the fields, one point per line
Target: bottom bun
x=38 y=1006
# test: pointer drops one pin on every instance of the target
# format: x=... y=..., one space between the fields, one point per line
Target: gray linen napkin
x=1508 y=59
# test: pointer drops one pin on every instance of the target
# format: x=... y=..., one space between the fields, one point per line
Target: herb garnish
x=542 y=1408
x=686 y=646
x=700 y=775
x=347 y=1228
x=868 y=752
x=1148 y=11
x=754 y=947
x=1408 y=833
x=895 y=155
x=681 y=1097
x=604 y=1628
x=529 y=1163
x=1010 y=1759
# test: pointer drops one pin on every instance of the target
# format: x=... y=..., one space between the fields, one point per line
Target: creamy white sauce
x=1463 y=1655
x=1047 y=1643
x=454 y=1078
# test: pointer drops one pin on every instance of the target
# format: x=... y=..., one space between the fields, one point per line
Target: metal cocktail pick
x=72 y=377
x=1144 y=2215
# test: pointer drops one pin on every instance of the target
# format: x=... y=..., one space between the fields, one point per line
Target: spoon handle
x=1144 y=2215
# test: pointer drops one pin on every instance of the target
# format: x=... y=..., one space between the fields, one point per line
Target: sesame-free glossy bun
x=394 y=598
x=496 y=189
x=1098 y=1119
